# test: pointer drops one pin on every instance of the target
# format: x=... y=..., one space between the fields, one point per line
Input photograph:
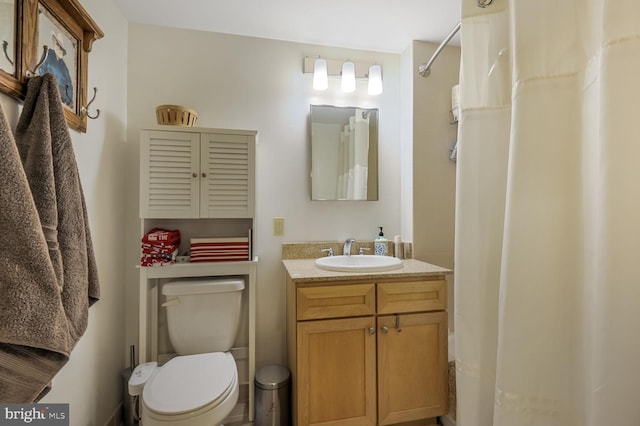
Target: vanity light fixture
x=348 y=82
x=320 y=76
x=375 y=80
x=348 y=72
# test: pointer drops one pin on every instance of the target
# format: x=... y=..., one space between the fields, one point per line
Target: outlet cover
x=278 y=226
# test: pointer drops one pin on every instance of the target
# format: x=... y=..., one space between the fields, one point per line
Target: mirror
x=7 y=35
x=344 y=153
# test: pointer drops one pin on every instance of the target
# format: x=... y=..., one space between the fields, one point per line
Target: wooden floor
x=430 y=422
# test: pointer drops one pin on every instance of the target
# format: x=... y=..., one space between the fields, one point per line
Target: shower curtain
x=547 y=251
x=353 y=158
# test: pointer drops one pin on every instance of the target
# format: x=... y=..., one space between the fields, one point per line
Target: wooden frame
x=11 y=82
x=69 y=32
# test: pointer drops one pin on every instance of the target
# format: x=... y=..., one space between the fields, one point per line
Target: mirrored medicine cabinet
x=344 y=153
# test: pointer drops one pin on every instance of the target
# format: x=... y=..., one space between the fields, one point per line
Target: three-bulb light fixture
x=323 y=68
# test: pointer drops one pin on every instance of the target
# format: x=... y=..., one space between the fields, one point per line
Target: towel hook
x=5 y=45
x=45 y=53
x=85 y=109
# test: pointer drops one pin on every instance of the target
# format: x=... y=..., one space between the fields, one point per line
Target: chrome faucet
x=347 y=246
x=329 y=251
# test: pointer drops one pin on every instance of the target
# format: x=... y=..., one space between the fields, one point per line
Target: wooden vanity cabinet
x=368 y=353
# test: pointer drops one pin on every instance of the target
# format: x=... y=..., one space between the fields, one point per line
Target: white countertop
x=304 y=270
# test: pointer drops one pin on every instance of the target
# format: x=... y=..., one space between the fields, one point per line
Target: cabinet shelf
x=179 y=270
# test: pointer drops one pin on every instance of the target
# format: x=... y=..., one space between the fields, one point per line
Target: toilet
x=199 y=387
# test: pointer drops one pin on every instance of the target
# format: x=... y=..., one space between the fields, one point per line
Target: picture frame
x=10 y=67
x=7 y=36
x=59 y=57
x=68 y=32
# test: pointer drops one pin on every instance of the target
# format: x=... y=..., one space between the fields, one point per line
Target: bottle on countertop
x=381 y=245
x=398 y=247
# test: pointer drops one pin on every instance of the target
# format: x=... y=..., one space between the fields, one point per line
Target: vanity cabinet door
x=412 y=367
x=336 y=365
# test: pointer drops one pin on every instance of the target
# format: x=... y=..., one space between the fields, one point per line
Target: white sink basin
x=359 y=263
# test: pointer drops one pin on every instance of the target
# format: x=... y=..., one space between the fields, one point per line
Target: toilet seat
x=191 y=383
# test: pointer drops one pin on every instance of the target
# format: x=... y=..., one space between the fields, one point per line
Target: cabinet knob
x=194 y=174
x=204 y=174
x=385 y=330
x=372 y=330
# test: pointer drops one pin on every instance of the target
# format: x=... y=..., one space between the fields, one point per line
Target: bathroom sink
x=359 y=263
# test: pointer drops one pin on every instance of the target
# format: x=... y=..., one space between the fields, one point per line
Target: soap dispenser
x=381 y=245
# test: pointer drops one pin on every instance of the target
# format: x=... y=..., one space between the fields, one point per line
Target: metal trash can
x=273 y=396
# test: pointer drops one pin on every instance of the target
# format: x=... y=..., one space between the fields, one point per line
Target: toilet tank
x=203 y=314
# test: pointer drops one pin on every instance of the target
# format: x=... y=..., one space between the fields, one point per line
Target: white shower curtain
x=353 y=161
x=547 y=257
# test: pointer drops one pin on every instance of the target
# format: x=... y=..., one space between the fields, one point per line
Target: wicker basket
x=176 y=115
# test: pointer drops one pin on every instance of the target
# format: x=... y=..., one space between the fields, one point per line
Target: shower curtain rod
x=425 y=69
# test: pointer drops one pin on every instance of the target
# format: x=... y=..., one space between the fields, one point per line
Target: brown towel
x=47 y=310
x=31 y=311
x=26 y=372
x=47 y=155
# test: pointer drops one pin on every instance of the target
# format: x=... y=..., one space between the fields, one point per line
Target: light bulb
x=375 y=80
x=320 y=78
x=348 y=77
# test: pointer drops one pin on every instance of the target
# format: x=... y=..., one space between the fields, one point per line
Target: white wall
x=434 y=174
x=90 y=382
x=406 y=145
x=258 y=84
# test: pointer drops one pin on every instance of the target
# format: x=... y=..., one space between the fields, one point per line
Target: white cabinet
x=202 y=182
x=197 y=173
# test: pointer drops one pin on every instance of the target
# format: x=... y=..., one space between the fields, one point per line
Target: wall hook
x=85 y=109
x=5 y=45
x=45 y=53
x=484 y=3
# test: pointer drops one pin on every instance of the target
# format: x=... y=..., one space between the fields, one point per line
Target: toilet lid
x=187 y=383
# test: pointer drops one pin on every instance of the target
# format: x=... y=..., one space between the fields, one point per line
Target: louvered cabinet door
x=227 y=171
x=169 y=174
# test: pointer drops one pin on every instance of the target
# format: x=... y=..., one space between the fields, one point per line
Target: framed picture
x=60 y=57
x=11 y=48
x=68 y=32
x=7 y=36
